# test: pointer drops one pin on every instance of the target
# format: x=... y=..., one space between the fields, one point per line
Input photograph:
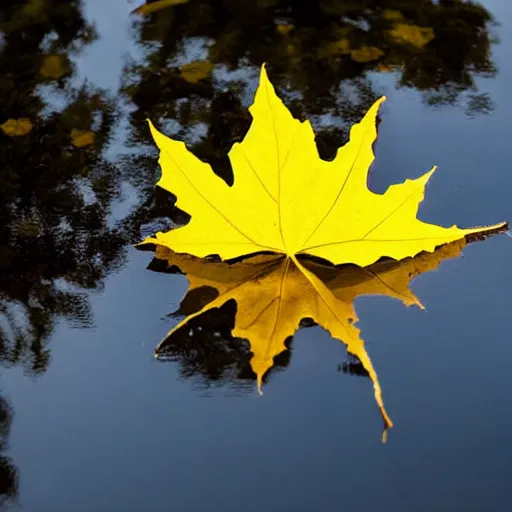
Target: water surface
x=90 y=420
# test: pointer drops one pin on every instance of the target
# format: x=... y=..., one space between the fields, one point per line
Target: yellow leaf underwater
x=411 y=34
x=287 y=200
x=149 y=8
x=196 y=71
x=273 y=294
x=55 y=67
x=366 y=54
x=82 y=138
x=16 y=127
x=392 y=15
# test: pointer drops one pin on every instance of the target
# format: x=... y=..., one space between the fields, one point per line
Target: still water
x=90 y=421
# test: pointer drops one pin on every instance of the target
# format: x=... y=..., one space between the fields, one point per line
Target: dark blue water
x=97 y=424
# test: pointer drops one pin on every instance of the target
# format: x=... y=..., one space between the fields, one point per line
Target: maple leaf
x=285 y=199
x=273 y=294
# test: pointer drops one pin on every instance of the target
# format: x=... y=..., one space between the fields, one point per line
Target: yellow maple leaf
x=274 y=293
x=285 y=199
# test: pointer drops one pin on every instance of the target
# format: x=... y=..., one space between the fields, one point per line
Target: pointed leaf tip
x=387 y=420
x=263 y=74
x=378 y=102
x=426 y=177
x=371 y=113
x=260 y=384
x=152 y=129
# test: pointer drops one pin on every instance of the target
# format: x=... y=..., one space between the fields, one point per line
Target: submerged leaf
x=335 y=48
x=149 y=8
x=411 y=34
x=284 y=28
x=55 y=67
x=196 y=71
x=392 y=15
x=287 y=200
x=366 y=54
x=81 y=138
x=16 y=127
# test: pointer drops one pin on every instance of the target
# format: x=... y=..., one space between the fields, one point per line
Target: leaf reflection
x=265 y=300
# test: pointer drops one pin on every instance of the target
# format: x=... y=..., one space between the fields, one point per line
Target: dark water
x=89 y=420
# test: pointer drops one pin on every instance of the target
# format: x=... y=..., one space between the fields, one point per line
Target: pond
x=90 y=419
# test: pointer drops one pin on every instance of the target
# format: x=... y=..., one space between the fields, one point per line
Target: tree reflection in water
x=56 y=188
